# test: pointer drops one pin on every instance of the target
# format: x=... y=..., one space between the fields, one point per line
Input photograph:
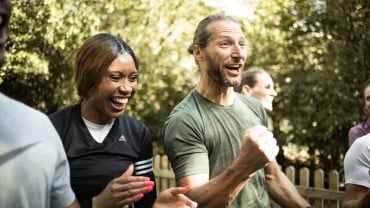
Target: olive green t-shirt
x=201 y=137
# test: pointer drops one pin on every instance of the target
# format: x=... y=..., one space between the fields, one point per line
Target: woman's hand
x=123 y=190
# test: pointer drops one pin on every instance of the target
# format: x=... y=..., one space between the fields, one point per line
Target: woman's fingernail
x=145 y=179
x=149 y=183
x=148 y=188
x=139 y=195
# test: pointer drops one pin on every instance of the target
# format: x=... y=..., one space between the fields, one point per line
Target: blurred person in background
x=257 y=83
x=363 y=128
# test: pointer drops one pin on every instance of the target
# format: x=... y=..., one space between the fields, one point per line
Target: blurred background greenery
x=317 y=52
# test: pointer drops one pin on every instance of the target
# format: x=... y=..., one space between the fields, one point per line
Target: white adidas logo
x=122 y=138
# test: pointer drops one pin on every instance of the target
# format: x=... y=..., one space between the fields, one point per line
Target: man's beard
x=218 y=75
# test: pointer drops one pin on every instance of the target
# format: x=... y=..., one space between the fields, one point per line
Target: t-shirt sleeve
x=353 y=134
x=144 y=167
x=357 y=162
x=61 y=193
x=184 y=146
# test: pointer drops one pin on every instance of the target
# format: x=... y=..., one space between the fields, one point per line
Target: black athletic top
x=93 y=165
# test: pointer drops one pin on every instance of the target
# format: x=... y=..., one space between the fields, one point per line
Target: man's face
x=5 y=12
x=225 y=54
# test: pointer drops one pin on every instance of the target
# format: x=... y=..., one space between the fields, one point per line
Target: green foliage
x=317 y=53
x=45 y=35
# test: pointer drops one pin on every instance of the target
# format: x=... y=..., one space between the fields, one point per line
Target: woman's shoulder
x=128 y=120
x=65 y=111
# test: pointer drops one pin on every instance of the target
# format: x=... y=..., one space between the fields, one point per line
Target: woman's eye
x=133 y=78
x=115 y=78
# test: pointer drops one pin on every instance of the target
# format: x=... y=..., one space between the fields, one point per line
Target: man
x=356 y=171
x=33 y=165
x=217 y=140
x=34 y=168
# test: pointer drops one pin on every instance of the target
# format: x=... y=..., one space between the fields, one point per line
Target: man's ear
x=197 y=53
x=246 y=90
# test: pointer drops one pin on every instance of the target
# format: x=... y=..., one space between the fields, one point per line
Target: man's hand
x=259 y=148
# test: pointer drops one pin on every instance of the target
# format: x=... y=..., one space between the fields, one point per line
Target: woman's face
x=111 y=97
x=367 y=98
x=263 y=90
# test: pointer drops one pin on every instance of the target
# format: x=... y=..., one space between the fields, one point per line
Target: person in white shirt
x=357 y=174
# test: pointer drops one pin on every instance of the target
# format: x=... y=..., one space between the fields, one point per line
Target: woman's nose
x=124 y=87
x=273 y=92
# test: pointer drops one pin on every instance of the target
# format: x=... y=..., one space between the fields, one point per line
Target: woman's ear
x=246 y=90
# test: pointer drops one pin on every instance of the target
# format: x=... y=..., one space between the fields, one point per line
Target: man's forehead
x=225 y=28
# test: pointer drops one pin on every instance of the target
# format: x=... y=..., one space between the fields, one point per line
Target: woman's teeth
x=120 y=101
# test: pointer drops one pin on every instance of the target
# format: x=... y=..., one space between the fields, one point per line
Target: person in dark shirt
x=110 y=153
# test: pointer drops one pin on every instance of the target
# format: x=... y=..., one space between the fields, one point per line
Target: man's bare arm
x=258 y=149
x=281 y=190
x=356 y=196
x=217 y=192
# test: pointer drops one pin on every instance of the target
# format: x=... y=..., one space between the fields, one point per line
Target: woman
x=110 y=154
x=258 y=83
x=363 y=128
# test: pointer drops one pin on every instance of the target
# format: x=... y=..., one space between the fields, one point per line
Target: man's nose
x=238 y=51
